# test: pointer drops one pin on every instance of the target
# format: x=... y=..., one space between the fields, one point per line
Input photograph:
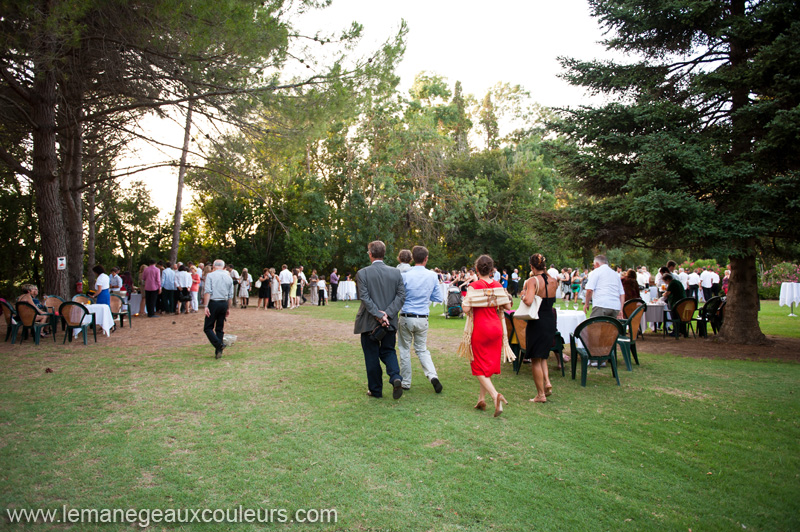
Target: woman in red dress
x=487 y=338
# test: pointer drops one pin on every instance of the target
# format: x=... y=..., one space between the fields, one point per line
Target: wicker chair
x=117 y=302
x=681 y=316
x=628 y=343
x=599 y=338
x=82 y=299
x=73 y=314
x=27 y=317
x=53 y=303
x=12 y=321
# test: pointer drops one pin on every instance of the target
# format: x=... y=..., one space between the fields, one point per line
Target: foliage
x=770 y=281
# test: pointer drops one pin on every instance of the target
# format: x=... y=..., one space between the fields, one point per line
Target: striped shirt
x=219 y=285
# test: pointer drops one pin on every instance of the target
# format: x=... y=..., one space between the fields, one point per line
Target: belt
x=407 y=315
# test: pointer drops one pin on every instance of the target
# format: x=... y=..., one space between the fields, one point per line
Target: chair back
x=82 y=299
x=73 y=313
x=53 y=302
x=710 y=308
x=631 y=305
x=719 y=317
x=635 y=319
x=509 y=326
x=684 y=309
x=519 y=328
x=599 y=335
x=27 y=313
x=116 y=304
x=8 y=311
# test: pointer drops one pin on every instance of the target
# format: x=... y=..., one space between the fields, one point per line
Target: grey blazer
x=380 y=287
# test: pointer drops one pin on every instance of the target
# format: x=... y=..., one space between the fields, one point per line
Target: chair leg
x=560 y=354
x=614 y=367
x=626 y=354
x=8 y=332
x=84 y=336
x=584 y=370
x=129 y=319
x=633 y=352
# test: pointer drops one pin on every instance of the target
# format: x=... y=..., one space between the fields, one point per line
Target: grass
x=775 y=319
x=683 y=444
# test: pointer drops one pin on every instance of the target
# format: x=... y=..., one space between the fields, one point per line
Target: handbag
x=258 y=283
x=529 y=312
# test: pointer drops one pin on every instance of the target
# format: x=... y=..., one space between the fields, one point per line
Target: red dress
x=487 y=336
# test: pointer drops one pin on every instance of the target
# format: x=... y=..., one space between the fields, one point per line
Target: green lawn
x=682 y=444
x=775 y=319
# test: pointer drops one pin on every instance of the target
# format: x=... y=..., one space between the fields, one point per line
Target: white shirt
x=234 y=275
x=714 y=278
x=552 y=272
x=321 y=283
x=285 y=276
x=302 y=277
x=514 y=276
x=643 y=278
x=693 y=279
x=115 y=282
x=705 y=279
x=101 y=283
x=606 y=287
x=497 y=276
x=183 y=280
x=684 y=277
x=659 y=278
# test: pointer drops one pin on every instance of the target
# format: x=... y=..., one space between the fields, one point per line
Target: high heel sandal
x=498 y=404
x=481 y=405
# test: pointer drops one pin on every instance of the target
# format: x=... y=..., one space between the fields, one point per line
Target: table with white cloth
x=346 y=291
x=653 y=314
x=135 y=302
x=568 y=321
x=790 y=295
x=103 y=316
x=443 y=288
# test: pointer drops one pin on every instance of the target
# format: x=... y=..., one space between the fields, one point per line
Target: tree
x=699 y=148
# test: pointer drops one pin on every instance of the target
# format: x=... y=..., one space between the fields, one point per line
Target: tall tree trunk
x=176 y=227
x=45 y=164
x=72 y=186
x=741 y=311
x=91 y=241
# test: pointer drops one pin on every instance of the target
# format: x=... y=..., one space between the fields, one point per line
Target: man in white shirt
x=496 y=275
x=693 y=283
x=643 y=277
x=684 y=278
x=285 y=277
x=604 y=290
x=302 y=281
x=705 y=283
x=115 y=281
x=514 y=282
x=552 y=272
x=235 y=278
x=714 y=284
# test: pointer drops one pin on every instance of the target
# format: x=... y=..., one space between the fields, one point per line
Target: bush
x=769 y=286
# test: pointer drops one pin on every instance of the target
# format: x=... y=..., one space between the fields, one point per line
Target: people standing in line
x=726 y=281
x=276 y=292
x=102 y=292
x=183 y=285
x=320 y=288
x=604 y=290
x=286 y=284
x=566 y=283
x=404 y=260
x=683 y=277
x=312 y=291
x=294 y=289
x=487 y=337
x=217 y=298
x=552 y=272
x=150 y=279
x=334 y=284
x=540 y=334
x=715 y=286
x=168 y=289
x=301 y=286
x=644 y=278
x=264 y=289
x=236 y=280
x=630 y=285
x=693 y=282
x=206 y=270
x=245 y=283
x=575 y=284
x=382 y=294
x=421 y=287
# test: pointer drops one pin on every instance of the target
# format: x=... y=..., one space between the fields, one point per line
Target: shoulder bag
x=529 y=312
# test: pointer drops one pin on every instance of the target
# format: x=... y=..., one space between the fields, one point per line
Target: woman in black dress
x=264 y=289
x=539 y=334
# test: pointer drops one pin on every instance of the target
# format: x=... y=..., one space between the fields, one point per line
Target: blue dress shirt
x=168 y=279
x=422 y=287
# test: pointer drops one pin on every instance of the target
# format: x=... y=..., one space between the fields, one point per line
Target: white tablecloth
x=568 y=320
x=346 y=291
x=135 y=301
x=443 y=287
x=103 y=315
x=653 y=314
x=790 y=293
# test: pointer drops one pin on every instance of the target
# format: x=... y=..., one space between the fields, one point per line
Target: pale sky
x=475 y=42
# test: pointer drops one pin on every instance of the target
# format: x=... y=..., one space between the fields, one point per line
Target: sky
x=475 y=42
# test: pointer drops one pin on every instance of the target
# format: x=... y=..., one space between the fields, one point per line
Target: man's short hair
x=404 y=256
x=671 y=264
x=219 y=263
x=377 y=249
x=420 y=253
x=601 y=259
x=667 y=277
x=284 y=267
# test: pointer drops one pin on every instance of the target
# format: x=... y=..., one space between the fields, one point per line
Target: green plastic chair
x=74 y=313
x=27 y=314
x=681 y=316
x=117 y=302
x=54 y=302
x=12 y=320
x=83 y=299
x=627 y=310
x=707 y=315
x=628 y=343
x=598 y=337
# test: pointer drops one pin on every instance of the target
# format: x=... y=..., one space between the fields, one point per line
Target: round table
x=567 y=321
x=103 y=317
x=653 y=314
x=790 y=294
x=346 y=291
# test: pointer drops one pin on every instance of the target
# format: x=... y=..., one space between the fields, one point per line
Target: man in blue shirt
x=168 y=289
x=422 y=287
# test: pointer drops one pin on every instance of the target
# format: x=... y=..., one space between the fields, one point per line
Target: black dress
x=539 y=334
x=264 y=289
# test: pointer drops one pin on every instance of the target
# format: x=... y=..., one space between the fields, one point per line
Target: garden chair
x=598 y=336
x=558 y=349
x=27 y=315
x=706 y=316
x=519 y=326
x=630 y=306
x=53 y=303
x=12 y=321
x=116 y=310
x=681 y=316
x=74 y=314
x=628 y=343
x=83 y=299
x=719 y=317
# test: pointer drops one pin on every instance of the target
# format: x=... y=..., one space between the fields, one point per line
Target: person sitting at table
x=674 y=292
x=101 y=286
x=630 y=285
x=540 y=334
x=29 y=293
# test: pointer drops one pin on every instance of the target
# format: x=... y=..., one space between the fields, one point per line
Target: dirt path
x=250 y=325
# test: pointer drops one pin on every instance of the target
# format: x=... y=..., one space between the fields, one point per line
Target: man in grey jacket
x=381 y=291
